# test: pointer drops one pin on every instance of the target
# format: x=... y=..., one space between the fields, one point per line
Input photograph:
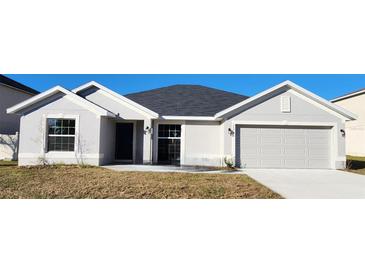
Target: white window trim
x=44 y=149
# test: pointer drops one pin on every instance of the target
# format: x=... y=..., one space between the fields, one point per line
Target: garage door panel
x=271 y=131
x=270 y=139
x=250 y=140
x=318 y=151
x=316 y=131
x=252 y=131
x=271 y=150
x=313 y=163
x=250 y=150
x=295 y=153
x=317 y=140
x=284 y=147
x=294 y=139
x=294 y=131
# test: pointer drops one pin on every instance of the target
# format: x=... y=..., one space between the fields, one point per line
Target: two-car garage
x=283 y=146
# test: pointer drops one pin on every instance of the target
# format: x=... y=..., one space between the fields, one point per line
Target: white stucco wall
x=32 y=143
x=302 y=111
x=202 y=143
x=355 y=130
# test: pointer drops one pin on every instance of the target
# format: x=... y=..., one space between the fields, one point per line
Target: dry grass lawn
x=93 y=182
x=356 y=164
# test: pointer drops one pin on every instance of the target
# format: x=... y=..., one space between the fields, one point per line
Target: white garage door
x=283 y=147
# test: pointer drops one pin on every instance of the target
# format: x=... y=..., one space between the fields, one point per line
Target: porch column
x=147 y=141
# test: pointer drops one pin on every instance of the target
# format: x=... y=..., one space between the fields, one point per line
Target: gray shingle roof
x=186 y=100
x=10 y=82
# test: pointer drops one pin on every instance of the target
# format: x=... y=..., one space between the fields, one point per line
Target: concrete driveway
x=311 y=184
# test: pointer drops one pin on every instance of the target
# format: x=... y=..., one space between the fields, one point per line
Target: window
x=61 y=134
x=169 y=131
x=169 y=144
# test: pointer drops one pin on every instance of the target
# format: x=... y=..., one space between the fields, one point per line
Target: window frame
x=45 y=133
x=60 y=135
x=181 y=138
x=168 y=137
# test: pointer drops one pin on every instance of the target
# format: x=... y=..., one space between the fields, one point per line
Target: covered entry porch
x=126 y=141
x=140 y=142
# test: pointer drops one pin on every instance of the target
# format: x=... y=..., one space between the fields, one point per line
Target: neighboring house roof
x=349 y=95
x=69 y=94
x=186 y=100
x=12 y=83
x=307 y=94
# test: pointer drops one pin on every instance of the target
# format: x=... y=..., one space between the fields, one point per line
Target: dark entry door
x=124 y=142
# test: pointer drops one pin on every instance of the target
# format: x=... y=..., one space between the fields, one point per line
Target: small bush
x=349 y=164
x=229 y=162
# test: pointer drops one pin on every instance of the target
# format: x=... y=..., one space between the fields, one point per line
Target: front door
x=124 y=142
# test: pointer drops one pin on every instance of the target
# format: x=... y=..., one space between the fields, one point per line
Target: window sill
x=66 y=153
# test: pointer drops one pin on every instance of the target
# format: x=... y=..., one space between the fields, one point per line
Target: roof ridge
x=186 y=85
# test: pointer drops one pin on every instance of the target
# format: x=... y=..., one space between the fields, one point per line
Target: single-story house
x=11 y=93
x=285 y=126
x=355 y=129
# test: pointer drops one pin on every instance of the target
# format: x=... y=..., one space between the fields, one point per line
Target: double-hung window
x=61 y=134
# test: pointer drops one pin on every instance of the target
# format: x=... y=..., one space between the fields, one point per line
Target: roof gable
x=70 y=95
x=118 y=98
x=277 y=89
x=186 y=100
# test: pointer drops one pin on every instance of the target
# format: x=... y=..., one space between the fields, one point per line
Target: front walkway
x=163 y=168
x=311 y=184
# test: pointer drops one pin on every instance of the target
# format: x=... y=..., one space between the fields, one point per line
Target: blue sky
x=326 y=85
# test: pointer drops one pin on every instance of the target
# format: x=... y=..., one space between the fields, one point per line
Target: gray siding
x=9 y=123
